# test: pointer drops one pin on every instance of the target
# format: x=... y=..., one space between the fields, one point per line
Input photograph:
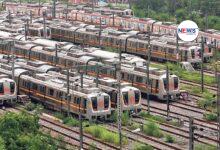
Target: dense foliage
x=179 y=10
x=21 y=131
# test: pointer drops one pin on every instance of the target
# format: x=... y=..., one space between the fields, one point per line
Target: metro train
x=52 y=92
x=65 y=57
x=130 y=96
x=132 y=102
x=8 y=90
x=108 y=19
x=163 y=47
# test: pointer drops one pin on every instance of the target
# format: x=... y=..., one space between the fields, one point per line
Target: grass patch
x=211 y=116
x=158 y=118
x=205 y=147
x=190 y=76
x=169 y=138
x=30 y=106
x=92 y=146
x=152 y=129
x=104 y=135
x=70 y=121
x=139 y=146
x=125 y=118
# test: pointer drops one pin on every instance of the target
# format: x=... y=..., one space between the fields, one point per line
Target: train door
x=155 y=86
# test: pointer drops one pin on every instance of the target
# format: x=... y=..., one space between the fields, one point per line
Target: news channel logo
x=188 y=31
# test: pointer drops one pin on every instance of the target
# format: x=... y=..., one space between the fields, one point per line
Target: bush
x=30 y=106
x=71 y=121
x=169 y=139
x=125 y=118
x=205 y=147
x=152 y=129
x=21 y=131
x=139 y=146
x=211 y=116
x=103 y=134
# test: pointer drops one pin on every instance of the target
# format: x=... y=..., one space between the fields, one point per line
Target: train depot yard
x=88 y=76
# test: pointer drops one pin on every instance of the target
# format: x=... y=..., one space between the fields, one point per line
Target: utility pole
x=191 y=133
x=168 y=97
x=177 y=48
x=80 y=115
x=68 y=91
x=44 y=22
x=54 y=9
x=202 y=67
x=148 y=11
x=25 y=32
x=113 y=18
x=56 y=54
x=66 y=13
x=13 y=61
x=206 y=20
x=148 y=71
x=9 y=17
x=97 y=74
x=100 y=31
x=31 y=15
x=92 y=5
x=218 y=108
x=119 y=96
x=39 y=8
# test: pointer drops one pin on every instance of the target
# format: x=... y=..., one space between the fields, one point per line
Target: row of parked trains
x=163 y=47
x=40 y=72
x=120 y=19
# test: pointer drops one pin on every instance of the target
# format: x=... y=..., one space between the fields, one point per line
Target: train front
x=8 y=90
x=173 y=91
x=98 y=105
x=130 y=99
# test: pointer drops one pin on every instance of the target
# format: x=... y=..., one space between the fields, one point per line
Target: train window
x=122 y=75
x=137 y=96
x=106 y=102
x=34 y=86
x=210 y=49
x=139 y=79
x=125 y=97
x=171 y=51
x=12 y=87
x=42 y=89
x=156 y=48
x=176 y=82
x=84 y=103
x=157 y=84
x=1 y=88
x=51 y=91
x=94 y=103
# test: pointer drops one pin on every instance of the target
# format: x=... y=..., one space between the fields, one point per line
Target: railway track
x=142 y=138
x=177 y=131
x=70 y=133
x=213 y=88
x=199 y=122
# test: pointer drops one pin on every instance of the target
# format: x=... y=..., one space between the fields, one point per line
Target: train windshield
x=125 y=97
x=106 y=102
x=1 y=88
x=94 y=103
x=176 y=82
x=12 y=87
x=165 y=83
x=137 y=96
